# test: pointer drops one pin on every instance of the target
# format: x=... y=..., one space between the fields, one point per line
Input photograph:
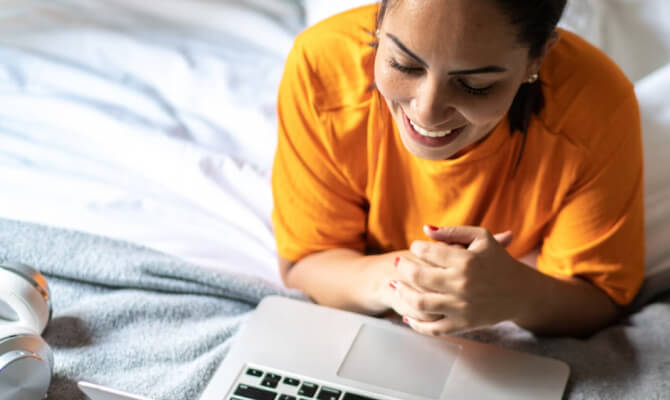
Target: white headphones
x=26 y=362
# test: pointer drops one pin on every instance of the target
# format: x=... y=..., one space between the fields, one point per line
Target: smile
x=428 y=133
x=430 y=138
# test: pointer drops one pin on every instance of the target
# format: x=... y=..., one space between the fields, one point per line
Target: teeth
x=429 y=133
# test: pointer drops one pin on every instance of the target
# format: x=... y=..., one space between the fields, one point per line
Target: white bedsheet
x=154 y=122
x=151 y=122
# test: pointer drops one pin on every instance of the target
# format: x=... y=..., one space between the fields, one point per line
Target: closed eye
x=476 y=91
x=404 y=69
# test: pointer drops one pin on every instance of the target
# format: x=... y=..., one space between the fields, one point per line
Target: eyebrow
x=489 y=69
x=406 y=50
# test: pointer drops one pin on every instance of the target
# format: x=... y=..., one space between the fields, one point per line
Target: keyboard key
x=254 y=372
x=351 y=396
x=272 y=377
x=328 y=394
x=269 y=383
x=307 y=389
x=291 y=381
x=254 y=393
x=287 y=397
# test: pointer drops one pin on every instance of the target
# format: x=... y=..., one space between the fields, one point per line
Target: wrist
x=376 y=272
x=532 y=293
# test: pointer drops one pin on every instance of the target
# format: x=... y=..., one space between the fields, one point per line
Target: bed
x=136 y=143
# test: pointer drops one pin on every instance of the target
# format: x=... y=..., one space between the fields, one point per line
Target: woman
x=413 y=172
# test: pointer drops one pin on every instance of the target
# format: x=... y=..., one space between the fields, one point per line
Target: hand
x=392 y=305
x=467 y=277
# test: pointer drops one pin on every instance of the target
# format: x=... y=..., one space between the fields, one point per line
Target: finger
x=402 y=306
x=430 y=303
x=438 y=254
x=472 y=237
x=504 y=238
x=448 y=325
x=427 y=277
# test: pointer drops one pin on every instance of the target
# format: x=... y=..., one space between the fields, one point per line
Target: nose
x=431 y=105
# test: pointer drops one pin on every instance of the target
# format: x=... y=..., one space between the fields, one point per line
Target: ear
x=535 y=64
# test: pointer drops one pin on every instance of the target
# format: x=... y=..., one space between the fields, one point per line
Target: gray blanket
x=144 y=322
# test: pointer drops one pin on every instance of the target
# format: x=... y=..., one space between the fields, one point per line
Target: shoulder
x=585 y=92
x=339 y=56
x=326 y=95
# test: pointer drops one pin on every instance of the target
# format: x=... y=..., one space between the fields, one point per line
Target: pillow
x=635 y=34
x=655 y=112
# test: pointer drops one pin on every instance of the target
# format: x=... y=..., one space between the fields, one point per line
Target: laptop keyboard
x=256 y=384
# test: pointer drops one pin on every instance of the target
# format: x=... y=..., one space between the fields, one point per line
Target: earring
x=533 y=78
x=378 y=33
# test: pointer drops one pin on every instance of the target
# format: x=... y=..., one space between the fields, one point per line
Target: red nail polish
x=433 y=228
x=405 y=320
x=397 y=259
x=392 y=285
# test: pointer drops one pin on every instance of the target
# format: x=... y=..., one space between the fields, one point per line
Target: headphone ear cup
x=26 y=363
x=24 y=296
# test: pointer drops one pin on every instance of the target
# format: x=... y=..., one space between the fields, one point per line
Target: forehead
x=452 y=28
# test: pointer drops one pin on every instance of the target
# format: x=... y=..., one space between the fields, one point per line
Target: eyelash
x=468 y=89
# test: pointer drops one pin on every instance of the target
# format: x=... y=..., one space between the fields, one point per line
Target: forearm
x=342 y=278
x=564 y=306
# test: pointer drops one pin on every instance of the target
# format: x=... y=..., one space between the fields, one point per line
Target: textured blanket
x=144 y=322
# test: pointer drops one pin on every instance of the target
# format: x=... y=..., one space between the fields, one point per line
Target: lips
x=427 y=140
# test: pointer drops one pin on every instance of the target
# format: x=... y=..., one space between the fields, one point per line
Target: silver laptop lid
x=98 y=392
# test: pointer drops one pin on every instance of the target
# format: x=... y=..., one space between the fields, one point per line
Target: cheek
x=389 y=84
x=483 y=110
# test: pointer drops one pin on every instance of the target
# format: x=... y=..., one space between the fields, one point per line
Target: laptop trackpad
x=390 y=359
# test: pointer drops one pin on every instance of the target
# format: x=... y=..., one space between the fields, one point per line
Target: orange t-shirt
x=343 y=179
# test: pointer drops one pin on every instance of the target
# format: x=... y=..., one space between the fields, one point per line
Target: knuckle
x=414 y=275
x=418 y=248
x=450 y=231
x=436 y=282
x=469 y=260
x=461 y=307
x=420 y=303
x=461 y=285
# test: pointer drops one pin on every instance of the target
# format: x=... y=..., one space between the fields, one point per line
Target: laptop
x=295 y=350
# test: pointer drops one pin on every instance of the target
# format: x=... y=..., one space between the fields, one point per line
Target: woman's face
x=449 y=71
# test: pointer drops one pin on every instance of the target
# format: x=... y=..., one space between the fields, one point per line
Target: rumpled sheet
x=130 y=317
x=144 y=322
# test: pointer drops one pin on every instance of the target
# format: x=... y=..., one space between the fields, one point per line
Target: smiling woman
x=401 y=184
x=450 y=69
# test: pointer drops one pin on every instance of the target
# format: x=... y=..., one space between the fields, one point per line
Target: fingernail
x=405 y=320
x=393 y=285
x=433 y=228
x=397 y=259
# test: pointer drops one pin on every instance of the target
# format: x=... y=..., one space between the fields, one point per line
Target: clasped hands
x=462 y=280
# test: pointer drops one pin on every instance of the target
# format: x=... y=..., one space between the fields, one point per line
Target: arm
x=341 y=278
x=586 y=310
x=564 y=306
x=348 y=280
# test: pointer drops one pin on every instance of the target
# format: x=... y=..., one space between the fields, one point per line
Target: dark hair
x=536 y=21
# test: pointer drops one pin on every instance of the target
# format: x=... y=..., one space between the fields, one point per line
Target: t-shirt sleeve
x=598 y=233
x=316 y=205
